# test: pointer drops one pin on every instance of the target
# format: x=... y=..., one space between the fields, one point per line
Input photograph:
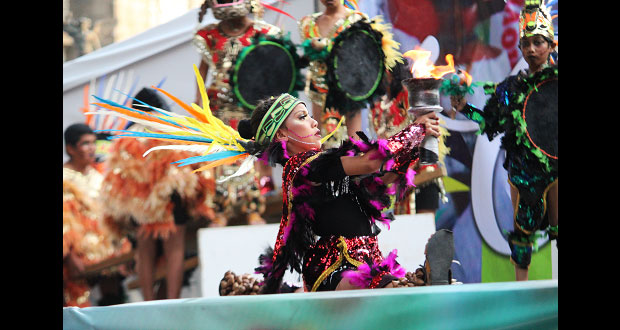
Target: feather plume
x=245 y=167
x=203 y=133
x=388 y=44
x=201 y=149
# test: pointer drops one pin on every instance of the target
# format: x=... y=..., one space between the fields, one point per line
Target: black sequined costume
x=321 y=200
x=531 y=171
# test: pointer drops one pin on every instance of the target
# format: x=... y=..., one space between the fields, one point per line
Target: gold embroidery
x=342 y=245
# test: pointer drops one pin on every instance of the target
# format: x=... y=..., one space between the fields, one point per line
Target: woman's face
x=330 y=3
x=300 y=130
x=84 y=150
x=535 y=50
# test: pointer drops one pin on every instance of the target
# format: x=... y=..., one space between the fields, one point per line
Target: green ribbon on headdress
x=275 y=116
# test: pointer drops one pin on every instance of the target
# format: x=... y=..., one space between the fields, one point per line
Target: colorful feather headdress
x=535 y=18
x=217 y=143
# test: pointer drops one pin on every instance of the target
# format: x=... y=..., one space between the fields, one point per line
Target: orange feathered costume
x=85 y=236
x=140 y=188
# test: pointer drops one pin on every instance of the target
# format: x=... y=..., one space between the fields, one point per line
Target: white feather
x=247 y=165
x=201 y=149
x=107 y=95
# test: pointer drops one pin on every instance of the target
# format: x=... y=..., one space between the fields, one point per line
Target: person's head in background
x=331 y=4
x=149 y=96
x=536 y=35
x=226 y=10
x=80 y=145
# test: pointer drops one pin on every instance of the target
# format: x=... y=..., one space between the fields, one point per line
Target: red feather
x=277 y=9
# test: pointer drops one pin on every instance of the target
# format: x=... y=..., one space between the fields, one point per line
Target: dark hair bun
x=150 y=97
x=245 y=129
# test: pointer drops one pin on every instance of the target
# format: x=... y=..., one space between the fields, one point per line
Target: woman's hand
x=431 y=123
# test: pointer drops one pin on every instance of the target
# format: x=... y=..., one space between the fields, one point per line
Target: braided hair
x=203 y=10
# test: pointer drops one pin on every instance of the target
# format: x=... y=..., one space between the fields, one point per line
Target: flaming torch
x=423 y=91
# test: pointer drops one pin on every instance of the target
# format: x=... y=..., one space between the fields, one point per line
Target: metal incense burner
x=424 y=98
x=423 y=94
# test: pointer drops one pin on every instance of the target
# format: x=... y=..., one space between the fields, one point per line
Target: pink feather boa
x=363 y=276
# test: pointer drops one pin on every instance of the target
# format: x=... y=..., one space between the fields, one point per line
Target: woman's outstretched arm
x=371 y=161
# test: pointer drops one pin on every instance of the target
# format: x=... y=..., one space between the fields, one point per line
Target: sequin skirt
x=331 y=255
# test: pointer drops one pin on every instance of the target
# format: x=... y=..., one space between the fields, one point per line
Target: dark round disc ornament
x=540 y=113
x=262 y=70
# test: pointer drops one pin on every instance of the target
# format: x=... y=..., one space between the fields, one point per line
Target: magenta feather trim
x=360 y=277
x=302 y=190
x=383 y=147
x=391 y=190
x=363 y=276
x=264 y=158
x=377 y=205
x=265 y=268
x=306 y=210
x=304 y=171
x=392 y=266
x=389 y=164
x=410 y=176
x=384 y=221
x=361 y=145
x=284 y=149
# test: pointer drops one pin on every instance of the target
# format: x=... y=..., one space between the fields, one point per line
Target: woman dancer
x=350 y=183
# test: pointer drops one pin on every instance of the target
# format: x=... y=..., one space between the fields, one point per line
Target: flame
x=423 y=67
x=468 y=77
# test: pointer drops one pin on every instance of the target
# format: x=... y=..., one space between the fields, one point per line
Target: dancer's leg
x=521 y=274
x=552 y=204
x=146 y=265
x=174 y=251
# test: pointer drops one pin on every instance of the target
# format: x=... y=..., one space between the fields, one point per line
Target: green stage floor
x=505 y=305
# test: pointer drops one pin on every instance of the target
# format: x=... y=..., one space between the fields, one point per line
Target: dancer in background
x=154 y=200
x=532 y=165
x=220 y=45
x=319 y=33
x=87 y=240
